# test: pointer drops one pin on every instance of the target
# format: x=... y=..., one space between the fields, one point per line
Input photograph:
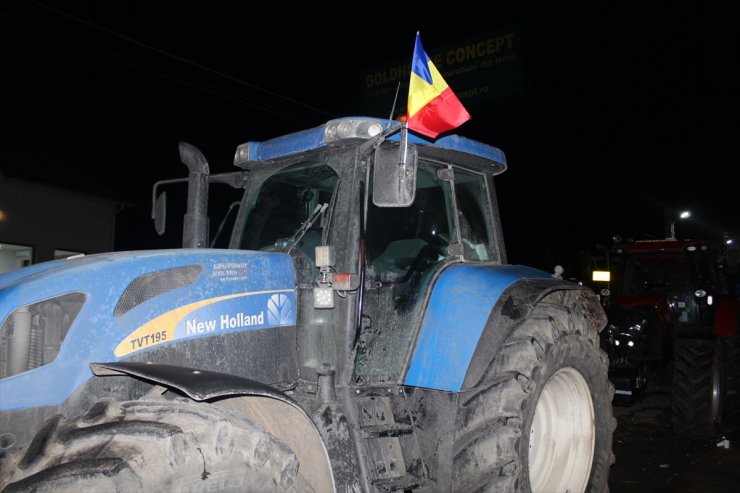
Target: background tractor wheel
x=162 y=445
x=542 y=419
x=731 y=404
x=698 y=389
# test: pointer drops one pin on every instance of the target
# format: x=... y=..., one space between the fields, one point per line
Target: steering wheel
x=427 y=256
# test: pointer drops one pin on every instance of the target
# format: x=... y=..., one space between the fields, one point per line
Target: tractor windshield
x=283 y=204
x=658 y=273
x=675 y=276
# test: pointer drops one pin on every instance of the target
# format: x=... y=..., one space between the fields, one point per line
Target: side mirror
x=605 y=297
x=394 y=175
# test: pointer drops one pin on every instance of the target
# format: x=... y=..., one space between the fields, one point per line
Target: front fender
x=199 y=385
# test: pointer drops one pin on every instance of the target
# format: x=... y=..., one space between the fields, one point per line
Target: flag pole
x=404 y=152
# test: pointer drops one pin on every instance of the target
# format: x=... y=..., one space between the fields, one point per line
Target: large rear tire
x=731 y=405
x=542 y=420
x=698 y=390
x=161 y=445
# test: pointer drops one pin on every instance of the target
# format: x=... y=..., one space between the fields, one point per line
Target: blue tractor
x=359 y=330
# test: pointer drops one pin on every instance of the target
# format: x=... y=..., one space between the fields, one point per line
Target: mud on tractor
x=361 y=331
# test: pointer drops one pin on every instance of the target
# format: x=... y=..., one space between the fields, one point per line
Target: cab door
x=406 y=248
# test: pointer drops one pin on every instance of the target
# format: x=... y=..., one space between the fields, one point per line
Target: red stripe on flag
x=442 y=113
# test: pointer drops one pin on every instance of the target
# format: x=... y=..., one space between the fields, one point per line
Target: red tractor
x=673 y=326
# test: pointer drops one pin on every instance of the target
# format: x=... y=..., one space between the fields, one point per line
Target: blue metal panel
x=15 y=275
x=236 y=291
x=306 y=140
x=461 y=302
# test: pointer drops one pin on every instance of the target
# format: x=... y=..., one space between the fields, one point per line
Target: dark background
x=629 y=111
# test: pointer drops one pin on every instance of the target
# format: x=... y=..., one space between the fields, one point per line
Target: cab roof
x=359 y=128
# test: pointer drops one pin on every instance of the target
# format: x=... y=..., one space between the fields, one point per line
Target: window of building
x=14 y=256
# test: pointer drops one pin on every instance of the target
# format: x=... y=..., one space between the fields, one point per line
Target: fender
x=516 y=303
x=726 y=316
x=445 y=350
x=199 y=385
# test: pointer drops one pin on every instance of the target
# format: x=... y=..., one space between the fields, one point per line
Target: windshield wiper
x=293 y=240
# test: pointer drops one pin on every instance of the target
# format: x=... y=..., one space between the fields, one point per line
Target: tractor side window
x=708 y=275
x=474 y=215
x=404 y=242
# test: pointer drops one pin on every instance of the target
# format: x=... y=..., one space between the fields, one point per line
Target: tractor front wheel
x=163 y=445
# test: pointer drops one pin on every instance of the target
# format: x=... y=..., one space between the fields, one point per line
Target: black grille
x=42 y=327
x=153 y=284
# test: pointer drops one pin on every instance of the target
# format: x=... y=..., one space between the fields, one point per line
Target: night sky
x=625 y=112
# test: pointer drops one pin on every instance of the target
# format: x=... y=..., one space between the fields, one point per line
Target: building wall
x=49 y=219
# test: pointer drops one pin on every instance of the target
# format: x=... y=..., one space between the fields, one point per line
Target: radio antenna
x=393 y=108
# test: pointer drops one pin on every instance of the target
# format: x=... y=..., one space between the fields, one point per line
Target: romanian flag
x=432 y=107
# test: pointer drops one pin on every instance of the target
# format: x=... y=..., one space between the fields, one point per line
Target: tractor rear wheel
x=542 y=419
x=166 y=445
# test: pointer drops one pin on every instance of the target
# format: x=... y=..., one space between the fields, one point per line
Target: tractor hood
x=58 y=317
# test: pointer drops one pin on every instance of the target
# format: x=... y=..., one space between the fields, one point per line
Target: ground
x=650 y=458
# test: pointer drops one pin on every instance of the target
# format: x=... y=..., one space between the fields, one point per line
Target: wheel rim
x=561 y=441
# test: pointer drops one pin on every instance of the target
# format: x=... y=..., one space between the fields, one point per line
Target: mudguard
x=459 y=307
x=458 y=319
x=199 y=385
x=727 y=316
x=141 y=301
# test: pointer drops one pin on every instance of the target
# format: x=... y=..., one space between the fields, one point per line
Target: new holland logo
x=280 y=310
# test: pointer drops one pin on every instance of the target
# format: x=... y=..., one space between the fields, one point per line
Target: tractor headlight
x=323 y=297
x=351 y=129
x=625 y=342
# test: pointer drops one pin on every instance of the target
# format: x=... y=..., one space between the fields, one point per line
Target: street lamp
x=682 y=215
